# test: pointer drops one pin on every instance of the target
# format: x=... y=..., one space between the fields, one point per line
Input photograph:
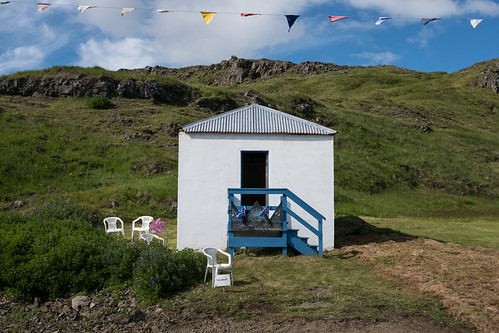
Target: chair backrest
x=211 y=254
x=146 y=220
x=111 y=223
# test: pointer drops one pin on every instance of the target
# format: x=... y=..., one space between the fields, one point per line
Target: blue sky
x=101 y=36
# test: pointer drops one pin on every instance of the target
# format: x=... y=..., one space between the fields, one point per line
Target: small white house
x=253 y=147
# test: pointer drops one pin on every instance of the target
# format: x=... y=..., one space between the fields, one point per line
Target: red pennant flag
x=337 y=18
x=249 y=14
x=43 y=6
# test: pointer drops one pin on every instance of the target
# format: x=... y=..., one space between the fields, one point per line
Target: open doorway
x=254 y=174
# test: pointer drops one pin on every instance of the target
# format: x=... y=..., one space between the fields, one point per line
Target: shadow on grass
x=352 y=230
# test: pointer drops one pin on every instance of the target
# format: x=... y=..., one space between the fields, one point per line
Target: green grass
x=336 y=287
x=470 y=231
x=385 y=165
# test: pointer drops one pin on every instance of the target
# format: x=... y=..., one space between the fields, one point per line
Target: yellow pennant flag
x=207 y=16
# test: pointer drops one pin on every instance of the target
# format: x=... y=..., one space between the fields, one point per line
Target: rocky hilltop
x=238 y=70
x=227 y=72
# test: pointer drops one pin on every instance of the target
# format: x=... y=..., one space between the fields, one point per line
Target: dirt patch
x=112 y=313
x=464 y=278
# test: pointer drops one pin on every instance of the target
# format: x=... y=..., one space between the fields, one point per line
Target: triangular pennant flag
x=81 y=9
x=163 y=10
x=207 y=16
x=249 y=14
x=475 y=22
x=126 y=11
x=43 y=6
x=337 y=18
x=381 y=20
x=425 y=21
x=291 y=20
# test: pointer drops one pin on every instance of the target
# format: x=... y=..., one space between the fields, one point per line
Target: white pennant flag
x=81 y=8
x=163 y=10
x=126 y=11
x=43 y=6
x=381 y=20
x=475 y=22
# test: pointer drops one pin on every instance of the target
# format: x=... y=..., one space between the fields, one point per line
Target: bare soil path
x=464 y=278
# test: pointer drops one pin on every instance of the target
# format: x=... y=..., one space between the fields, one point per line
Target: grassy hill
x=408 y=143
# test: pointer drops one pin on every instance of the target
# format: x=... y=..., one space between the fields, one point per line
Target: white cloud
x=124 y=53
x=37 y=40
x=423 y=37
x=427 y=8
x=182 y=37
x=22 y=57
x=378 y=58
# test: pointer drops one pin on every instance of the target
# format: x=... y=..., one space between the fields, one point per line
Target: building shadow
x=352 y=230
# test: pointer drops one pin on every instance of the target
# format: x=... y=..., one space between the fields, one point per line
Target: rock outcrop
x=81 y=86
x=489 y=78
x=238 y=70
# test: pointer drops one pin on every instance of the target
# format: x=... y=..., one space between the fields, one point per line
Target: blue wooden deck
x=288 y=237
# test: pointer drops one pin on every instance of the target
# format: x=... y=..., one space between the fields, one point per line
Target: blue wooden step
x=301 y=244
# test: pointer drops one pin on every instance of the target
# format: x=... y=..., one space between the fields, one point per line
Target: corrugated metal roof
x=257 y=119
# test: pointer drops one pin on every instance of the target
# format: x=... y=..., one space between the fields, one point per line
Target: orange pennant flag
x=207 y=16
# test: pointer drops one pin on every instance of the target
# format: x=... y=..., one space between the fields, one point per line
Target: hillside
x=408 y=143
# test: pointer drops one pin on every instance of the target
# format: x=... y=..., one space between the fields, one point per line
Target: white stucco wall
x=211 y=163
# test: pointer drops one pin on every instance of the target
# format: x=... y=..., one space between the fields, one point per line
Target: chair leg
x=205 y=273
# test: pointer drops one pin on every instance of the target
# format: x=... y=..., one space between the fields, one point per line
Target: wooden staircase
x=300 y=244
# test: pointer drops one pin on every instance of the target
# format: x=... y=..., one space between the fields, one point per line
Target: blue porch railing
x=283 y=240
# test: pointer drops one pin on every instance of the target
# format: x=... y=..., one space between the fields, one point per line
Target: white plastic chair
x=150 y=237
x=144 y=227
x=211 y=255
x=111 y=225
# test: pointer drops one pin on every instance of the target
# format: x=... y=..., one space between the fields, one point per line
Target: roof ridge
x=257 y=119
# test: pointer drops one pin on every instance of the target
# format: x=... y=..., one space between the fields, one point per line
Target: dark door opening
x=253 y=175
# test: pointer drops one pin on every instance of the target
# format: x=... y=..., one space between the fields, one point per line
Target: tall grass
x=385 y=165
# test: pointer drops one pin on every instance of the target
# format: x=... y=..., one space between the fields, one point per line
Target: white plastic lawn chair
x=211 y=255
x=144 y=226
x=150 y=237
x=111 y=225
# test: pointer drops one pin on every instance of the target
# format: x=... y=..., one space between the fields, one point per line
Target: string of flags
x=208 y=16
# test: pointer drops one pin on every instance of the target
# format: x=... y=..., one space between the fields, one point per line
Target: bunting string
x=208 y=15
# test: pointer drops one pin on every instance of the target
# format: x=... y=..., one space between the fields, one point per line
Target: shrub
x=61 y=209
x=44 y=256
x=160 y=271
x=48 y=259
x=99 y=103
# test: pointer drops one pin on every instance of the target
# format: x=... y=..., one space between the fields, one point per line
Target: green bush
x=61 y=209
x=160 y=271
x=51 y=258
x=99 y=102
x=44 y=256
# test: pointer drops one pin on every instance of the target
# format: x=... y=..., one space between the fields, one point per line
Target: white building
x=252 y=147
